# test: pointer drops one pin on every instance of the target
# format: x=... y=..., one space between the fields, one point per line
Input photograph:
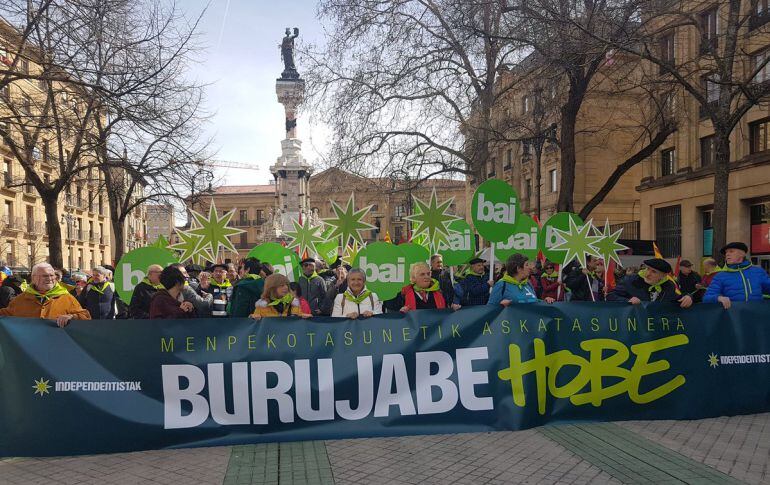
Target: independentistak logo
x=42 y=386
x=716 y=360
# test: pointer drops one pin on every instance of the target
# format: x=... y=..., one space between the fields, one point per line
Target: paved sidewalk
x=721 y=450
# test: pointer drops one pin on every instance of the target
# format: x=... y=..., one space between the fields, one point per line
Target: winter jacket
x=99 y=300
x=246 y=293
x=444 y=283
x=517 y=293
x=635 y=286
x=202 y=304
x=687 y=283
x=6 y=295
x=313 y=290
x=471 y=290
x=739 y=282
x=345 y=304
x=578 y=283
x=28 y=305
x=550 y=286
x=140 y=299
x=165 y=306
x=264 y=309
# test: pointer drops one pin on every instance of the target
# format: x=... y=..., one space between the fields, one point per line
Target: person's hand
x=305 y=315
x=255 y=316
x=404 y=309
x=685 y=301
x=352 y=315
x=585 y=271
x=63 y=320
x=549 y=300
x=186 y=306
x=367 y=314
x=634 y=300
x=456 y=307
x=724 y=301
x=505 y=302
x=699 y=286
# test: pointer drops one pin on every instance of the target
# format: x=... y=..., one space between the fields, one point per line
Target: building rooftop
x=244 y=189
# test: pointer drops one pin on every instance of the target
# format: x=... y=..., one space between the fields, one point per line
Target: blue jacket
x=471 y=290
x=739 y=282
x=510 y=291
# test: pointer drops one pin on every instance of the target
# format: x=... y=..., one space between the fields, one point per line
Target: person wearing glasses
x=143 y=292
x=46 y=298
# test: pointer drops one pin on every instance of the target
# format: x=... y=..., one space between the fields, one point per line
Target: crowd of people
x=254 y=290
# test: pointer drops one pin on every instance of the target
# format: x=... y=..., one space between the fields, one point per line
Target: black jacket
x=140 y=300
x=687 y=283
x=101 y=305
x=635 y=285
x=577 y=283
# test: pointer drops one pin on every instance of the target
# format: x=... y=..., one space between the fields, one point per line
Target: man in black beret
x=651 y=284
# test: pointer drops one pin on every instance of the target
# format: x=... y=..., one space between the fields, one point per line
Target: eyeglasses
x=47 y=276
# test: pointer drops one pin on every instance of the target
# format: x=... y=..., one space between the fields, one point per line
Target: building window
x=760 y=61
x=708 y=232
x=707 y=151
x=244 y=239
x=491 y=167
x=709 y=22
x=244 y=217
x=260 y=216
x=399 y=211
x=667 y=49
x=667 y=158
x=758 y=136
x=24 y=66
x=760 y=16
x=508 y=159
x=711 y=87
x=525 y=148
x=528 y=190
x=375 y=208
x=668 y=230
x=554 y=182
x=760 y=228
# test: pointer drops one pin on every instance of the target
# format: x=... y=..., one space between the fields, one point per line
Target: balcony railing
x=630 y=229
x=258 y=222
x=244 y=245
x=104 y=240
x=12 y=223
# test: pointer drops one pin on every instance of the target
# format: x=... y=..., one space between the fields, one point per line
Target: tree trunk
x=569 y=114
x=721 y=181
x=538 y=177
x=119 y=241
x=53 y=229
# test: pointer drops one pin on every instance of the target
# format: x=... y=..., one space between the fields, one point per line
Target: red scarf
x=410 y=298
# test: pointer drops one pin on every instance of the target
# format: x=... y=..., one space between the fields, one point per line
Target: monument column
x=291 y=170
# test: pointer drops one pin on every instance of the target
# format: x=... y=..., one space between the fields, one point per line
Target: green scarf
x=55 y=292
x=252 y=277
x=510 y=279
x=105 y=284
x=146 y=281
x=286 y=300
x=432 y=287
x=311 y=277
x=356 y=299
x=470 y=272
x=658 y=287
x=224 y=284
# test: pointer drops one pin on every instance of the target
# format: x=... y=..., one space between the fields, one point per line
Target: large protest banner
x=108 y=386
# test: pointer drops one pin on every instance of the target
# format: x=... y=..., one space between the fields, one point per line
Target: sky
x=241 y=62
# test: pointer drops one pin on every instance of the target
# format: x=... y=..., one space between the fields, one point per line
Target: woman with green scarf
x=514 y=286
x=357 y=301
x=277 y=300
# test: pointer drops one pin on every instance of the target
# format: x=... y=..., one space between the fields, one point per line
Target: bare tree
x=399 y=80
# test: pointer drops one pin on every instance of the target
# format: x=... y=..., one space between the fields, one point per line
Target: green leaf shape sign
x=460 y=248
x=550 y=238
x=524 y=240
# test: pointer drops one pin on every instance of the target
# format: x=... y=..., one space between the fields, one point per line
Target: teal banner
x=114 y=386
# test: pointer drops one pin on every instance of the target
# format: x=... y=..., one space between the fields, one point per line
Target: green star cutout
x=578 y=243
x=713 y=360
x=214 y=232
x=432 y=220
x=347 y=223
x=190 y=247
x=351 y=251
x=41 y=386
x=162 y=242
x=305 y=237
x=608 y=246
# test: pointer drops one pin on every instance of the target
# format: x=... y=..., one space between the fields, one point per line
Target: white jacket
x=343 y=306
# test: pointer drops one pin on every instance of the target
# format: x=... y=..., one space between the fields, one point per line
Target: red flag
x=609 y=281
x=676 y=268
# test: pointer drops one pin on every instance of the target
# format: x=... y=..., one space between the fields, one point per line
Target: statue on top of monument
x=287 y=54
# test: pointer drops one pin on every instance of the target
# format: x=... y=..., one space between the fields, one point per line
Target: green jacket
x=246 y=293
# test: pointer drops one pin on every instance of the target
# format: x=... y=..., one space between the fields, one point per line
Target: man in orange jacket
x=45 y=298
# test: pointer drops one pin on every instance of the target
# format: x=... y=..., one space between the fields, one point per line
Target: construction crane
x=229 y=164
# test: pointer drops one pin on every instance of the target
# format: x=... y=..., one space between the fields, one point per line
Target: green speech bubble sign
x=283 y=260
x=523 y=240
x=132 y=268
x=461 y=246
x=495 y=210
x=386 y=268
x=549 y=237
